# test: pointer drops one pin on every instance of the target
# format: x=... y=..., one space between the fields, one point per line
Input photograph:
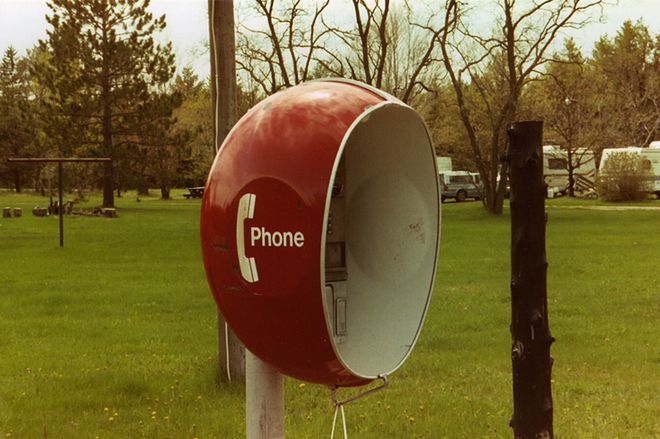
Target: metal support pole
x=59 y=161
x=61 y=208
x=264 y=399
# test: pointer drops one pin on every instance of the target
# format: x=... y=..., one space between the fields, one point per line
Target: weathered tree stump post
x=531 y=338
x=18 y=212
x=6 y=212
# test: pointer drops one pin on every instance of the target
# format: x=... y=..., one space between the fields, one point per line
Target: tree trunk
x=17 y=180
x=224 y=96
x=164 y=192
x=494 y=195
x=531 y=339
x=108 y=172
x=38 y=183
x=571 y=171
x=143 y=189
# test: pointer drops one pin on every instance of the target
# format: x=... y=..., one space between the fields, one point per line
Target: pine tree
x=628 y=76
x=16 y=132
x=104 y=67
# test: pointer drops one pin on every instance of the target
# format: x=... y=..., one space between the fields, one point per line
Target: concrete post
x=264 y=399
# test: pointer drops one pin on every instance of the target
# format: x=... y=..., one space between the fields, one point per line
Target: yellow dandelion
x=105 y=409
x=111 y=419
x=153 y=413
x=411 y=419
x=166 y=418
x=301 y=385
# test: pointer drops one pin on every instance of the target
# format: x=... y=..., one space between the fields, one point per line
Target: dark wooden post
x=531 y=339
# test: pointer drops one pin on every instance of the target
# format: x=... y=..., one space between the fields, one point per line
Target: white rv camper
x=443 y=164
x=650 y=163
x=555 y=169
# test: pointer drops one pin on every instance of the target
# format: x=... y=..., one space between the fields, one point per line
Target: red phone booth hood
x=264 y=224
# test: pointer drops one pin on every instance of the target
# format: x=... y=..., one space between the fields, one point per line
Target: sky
x=23 y=23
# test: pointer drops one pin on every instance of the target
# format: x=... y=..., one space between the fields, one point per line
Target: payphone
x=320 y=231
x=335 y=255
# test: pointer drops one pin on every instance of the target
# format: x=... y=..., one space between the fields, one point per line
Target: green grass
x=114 y=336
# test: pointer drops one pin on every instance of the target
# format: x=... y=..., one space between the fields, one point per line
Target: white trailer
x=555 y=169
x=443 y=164
x=650 y=163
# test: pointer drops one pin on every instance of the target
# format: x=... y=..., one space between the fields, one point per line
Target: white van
x=555 y=169
x=650 y=162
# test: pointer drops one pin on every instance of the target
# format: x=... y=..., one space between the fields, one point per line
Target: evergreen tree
x=628 y=79
x=16 y=129
x=103 y=69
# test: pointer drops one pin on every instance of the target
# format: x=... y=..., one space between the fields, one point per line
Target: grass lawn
x=114 y=336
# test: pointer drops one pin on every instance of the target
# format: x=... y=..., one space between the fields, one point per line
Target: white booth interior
x=381 y=240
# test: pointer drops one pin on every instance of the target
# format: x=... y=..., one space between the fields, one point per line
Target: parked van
x=460 y=185
x=650 y=163
x=555 y=169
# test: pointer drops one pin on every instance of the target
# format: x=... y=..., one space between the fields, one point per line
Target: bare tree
x=392 y=48
x=413 y=53
x=566 y=92
x=389 y=48
x=490 y=71
x=279 y=51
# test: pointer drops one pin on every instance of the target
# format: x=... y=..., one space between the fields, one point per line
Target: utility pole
x=530 y=331
x=231 y=352
x=264 y=386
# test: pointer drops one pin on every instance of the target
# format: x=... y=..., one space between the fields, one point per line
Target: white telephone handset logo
x=247 y=265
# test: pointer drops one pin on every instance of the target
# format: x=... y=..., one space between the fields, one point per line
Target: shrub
x=623 y=178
